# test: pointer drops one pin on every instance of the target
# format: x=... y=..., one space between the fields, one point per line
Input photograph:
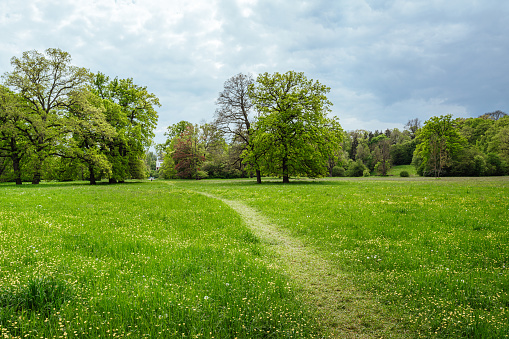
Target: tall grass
x=436 y=252
x=138 y=260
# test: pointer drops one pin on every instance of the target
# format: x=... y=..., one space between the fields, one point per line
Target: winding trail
x=344 y=310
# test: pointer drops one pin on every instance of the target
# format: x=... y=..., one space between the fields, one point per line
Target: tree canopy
x=62 y=116
x=438 y=142
x=293 y=135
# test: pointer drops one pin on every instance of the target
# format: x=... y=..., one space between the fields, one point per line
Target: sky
x=385 y=61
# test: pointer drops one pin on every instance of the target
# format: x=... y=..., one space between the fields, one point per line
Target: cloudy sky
x=386 y=61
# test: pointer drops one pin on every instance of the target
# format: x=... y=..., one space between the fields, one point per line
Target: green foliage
x=356 y=169
x=438 y=143
x=338 y=171
x=13 y=143
x=292 y=136
x=131 y=111
x=63 y=110
x=402 y=153
x=167 y=170
x=188 y=155
x=48 y=84
x=381 y=155
x=404 y=174
x=495 y=166
x=176 y=130
x=366 y=173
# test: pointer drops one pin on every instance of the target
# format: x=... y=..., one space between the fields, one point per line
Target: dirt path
x=344 y=310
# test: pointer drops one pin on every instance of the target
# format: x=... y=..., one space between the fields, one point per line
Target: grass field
x=396 y=170
x=159 y=259
x=435 y=252
x=139 y=260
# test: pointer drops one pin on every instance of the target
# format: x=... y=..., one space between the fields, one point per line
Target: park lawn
x=434 y=252
x=396 y=170
x=139 y=259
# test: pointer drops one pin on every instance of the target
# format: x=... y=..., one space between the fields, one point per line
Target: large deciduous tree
x=89 y=133
x=381 y=153
x=12 y=142
x=235 y=114
x=293 y=135
x=188 y=153
x=131 y=112
x=46 y=82
x=438 y=141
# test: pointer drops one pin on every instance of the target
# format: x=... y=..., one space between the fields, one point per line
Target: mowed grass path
x=433 y=253
x=136 y=260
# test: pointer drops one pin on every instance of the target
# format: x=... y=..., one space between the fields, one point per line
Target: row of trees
x=278 y=125
x=59 y=121
x=268 y=127
x=443 y=146
x=274 y=125
x=62 y=122
x=463 y=147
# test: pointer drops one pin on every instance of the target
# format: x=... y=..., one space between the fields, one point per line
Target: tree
x=413 y=126
x=438 y=141
x=381 y=153
x=493 y=115
x=188 y=155
x=215 y=147
x=293 y=135
x=234 y=115
x=131 y=112
x=46 y=82
x=89 y=133
x=498 y=137
x=151 y=163
x=12 y=143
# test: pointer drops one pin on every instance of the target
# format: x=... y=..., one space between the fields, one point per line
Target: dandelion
x=206 y=297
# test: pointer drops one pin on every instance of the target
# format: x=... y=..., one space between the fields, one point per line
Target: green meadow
x=159 y=259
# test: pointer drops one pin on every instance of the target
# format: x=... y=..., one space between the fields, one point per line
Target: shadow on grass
x=266 y=181
x=68 y=184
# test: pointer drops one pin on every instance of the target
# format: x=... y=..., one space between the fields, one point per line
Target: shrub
x=202 y=175
x=356 y=169
x=338 y=171
x=404 y=174
x=366 y=173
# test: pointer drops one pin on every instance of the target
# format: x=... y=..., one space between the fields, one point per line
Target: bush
x=356 y=169
x=202 y=175
x=338 y=171
x=366 y=173
x=404 y=174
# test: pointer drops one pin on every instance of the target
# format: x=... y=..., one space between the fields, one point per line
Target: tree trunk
x=15 y=162
x=92 y=175
x=37 y=175
x=258 y=177
x=17 y=170
x=286 y=178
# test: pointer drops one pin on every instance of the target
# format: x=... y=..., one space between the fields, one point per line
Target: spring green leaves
x=293 y=135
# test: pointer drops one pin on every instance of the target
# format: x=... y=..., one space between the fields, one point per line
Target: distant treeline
x=440 y=147
x=61 y=122
x=474 y=147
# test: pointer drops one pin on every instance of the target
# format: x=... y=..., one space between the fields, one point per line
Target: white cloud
x=385 y=61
